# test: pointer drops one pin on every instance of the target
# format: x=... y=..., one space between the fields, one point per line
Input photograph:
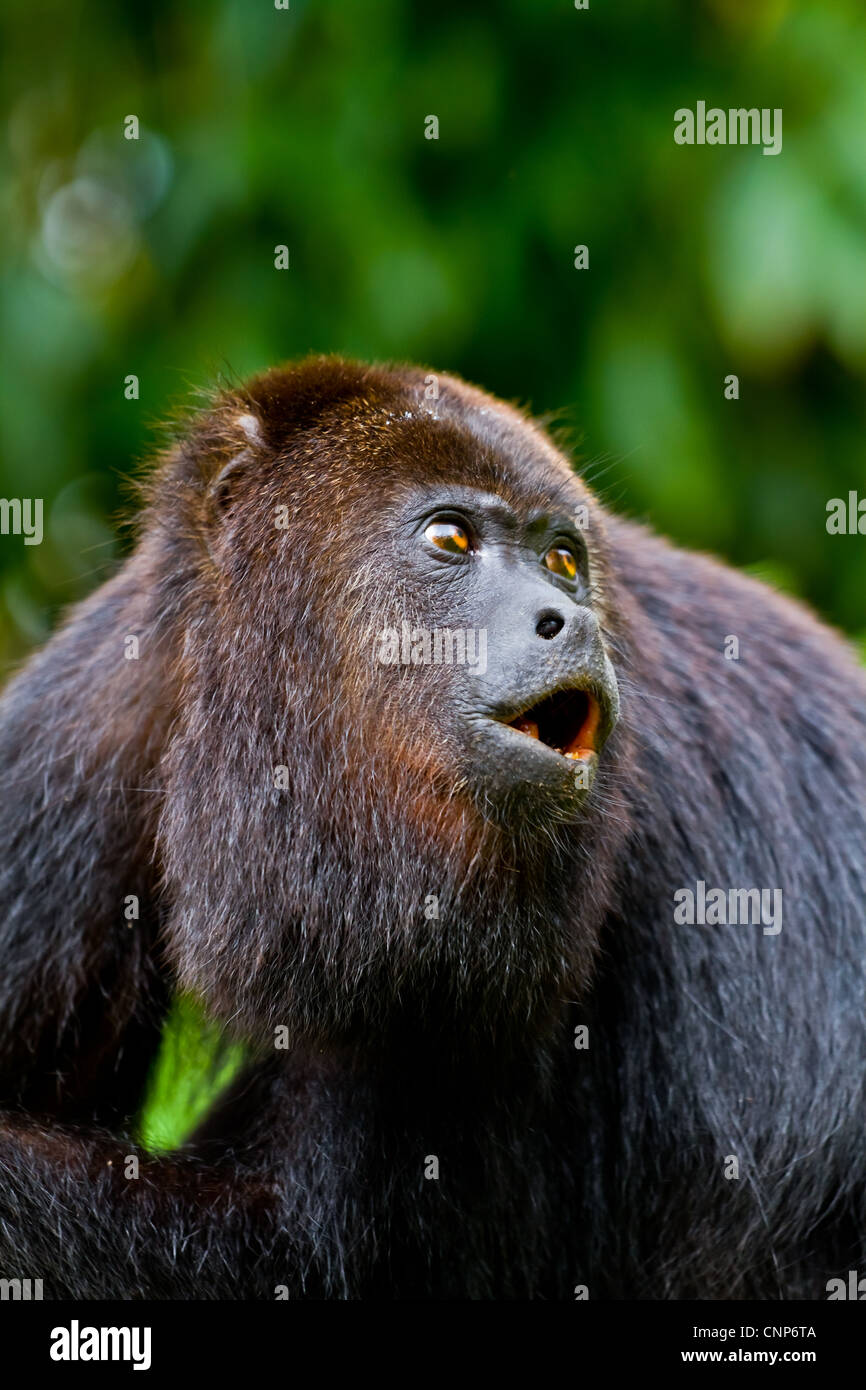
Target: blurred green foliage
x=305 y=127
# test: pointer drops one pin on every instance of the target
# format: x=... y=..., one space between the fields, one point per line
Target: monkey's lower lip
x=566 y=722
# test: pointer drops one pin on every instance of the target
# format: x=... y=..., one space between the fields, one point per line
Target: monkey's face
x=501 y=642
x=442 y=588
x=396 y=688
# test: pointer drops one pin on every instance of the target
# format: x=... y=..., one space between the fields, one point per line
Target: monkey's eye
x=448 y=535
x=561 y=561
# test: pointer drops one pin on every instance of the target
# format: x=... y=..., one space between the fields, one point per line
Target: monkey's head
x=386 y=785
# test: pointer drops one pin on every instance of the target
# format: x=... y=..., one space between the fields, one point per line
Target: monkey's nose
x=549 y=624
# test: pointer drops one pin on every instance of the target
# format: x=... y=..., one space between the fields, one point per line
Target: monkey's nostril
x=549 y=624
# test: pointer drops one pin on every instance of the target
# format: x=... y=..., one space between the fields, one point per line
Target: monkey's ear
x=223 y=488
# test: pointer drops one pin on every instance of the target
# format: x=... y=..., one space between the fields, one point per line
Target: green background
x=305 y=127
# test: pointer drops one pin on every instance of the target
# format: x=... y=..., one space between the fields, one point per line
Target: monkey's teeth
x=526 y=726
x=580 y=754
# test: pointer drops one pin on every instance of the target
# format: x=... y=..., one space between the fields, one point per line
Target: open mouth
x=566 y=722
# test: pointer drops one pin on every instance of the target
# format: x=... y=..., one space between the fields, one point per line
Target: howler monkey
x=415 y=758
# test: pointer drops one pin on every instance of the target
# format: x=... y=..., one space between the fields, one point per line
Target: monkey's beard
x=366 y=893
x=359 y=903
